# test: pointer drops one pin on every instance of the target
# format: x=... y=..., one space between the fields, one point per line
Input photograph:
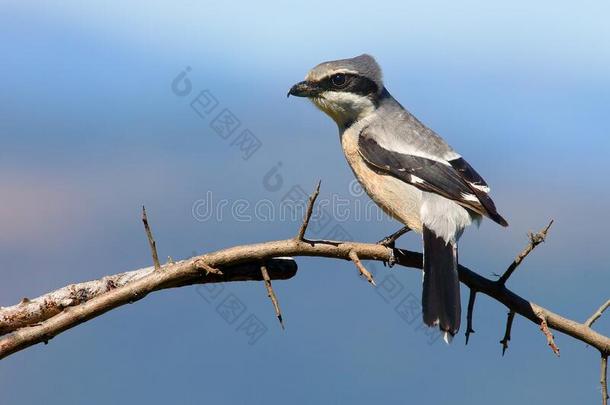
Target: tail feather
x=441 y=295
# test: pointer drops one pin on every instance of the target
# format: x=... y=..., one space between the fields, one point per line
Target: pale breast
x=399 y=200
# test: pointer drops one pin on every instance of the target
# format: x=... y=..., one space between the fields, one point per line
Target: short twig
x=535 y=240
x=271 y=294
x=200 y=264
x=471 y=298
x=544 y=327
x=363 y=271
x=509 y=325
x=597 y=313
x=151 y=241
x=308 y=212
x=604 y=379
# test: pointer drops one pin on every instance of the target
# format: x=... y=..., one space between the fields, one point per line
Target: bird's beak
x=304 y=89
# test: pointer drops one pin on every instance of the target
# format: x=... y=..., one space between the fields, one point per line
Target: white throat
x=344 y=107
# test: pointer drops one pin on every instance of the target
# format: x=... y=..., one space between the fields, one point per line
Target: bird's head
x=345 y=89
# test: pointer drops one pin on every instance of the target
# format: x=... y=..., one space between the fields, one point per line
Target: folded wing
x=453 y=179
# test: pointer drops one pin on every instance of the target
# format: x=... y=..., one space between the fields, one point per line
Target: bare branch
x=363 y=271
x=471 y=298
x=271 y=294
x=151 y=240
x=308 y=212
x=509 y=326
x=535 y=240
x=37 y=310
x=604 y=379
x=597 y=314
x=185 y=273
x=544 y=327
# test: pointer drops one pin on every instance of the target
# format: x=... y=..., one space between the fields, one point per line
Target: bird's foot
x=392 y=259
x=390 y=241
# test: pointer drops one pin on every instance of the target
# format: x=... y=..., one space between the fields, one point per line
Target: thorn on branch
x=151 y=241
x=363 y=271
x=597 y=314
x=544 y=327
x=200 y=264
x=471 y=298
x=604 y=379
x=535 y=239
x=308 y=212
x=509 y=326
x=271 y=295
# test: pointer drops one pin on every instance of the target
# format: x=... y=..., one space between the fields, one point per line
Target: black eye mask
x=349 y=83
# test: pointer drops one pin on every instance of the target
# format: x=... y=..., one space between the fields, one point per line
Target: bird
x=408 y=170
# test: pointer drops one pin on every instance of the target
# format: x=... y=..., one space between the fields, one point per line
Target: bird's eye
x=338 y=80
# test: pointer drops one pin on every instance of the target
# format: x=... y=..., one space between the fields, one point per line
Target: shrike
x=408 y=170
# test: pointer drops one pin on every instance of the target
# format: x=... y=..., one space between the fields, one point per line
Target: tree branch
x=544 y=327
x=604 y=379
x=363 y=271
x=271 y=294
x=471 y=298
x=32 y=312
x=151 y=240
x=186 y=272
x=308 y=212
x=535 y=239
x=589 y=322
x=509 y=327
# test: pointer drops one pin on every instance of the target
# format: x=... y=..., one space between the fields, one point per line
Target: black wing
x=456 y=180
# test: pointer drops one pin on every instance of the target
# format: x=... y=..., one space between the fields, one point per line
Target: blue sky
x=91 y=130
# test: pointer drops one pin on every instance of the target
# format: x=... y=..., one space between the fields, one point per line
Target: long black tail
x=441 y=296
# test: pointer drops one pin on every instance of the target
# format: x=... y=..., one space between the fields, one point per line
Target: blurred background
x=95 y=120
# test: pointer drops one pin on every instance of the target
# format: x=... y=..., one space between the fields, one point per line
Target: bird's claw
x=390 y=241
x=392 y=259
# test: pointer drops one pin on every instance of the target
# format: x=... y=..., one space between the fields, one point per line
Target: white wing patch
x=398 y=145
x=469 y=197
x=416 y=180
x=480 y=187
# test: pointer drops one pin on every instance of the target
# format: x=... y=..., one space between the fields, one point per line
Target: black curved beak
x=304 y=89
